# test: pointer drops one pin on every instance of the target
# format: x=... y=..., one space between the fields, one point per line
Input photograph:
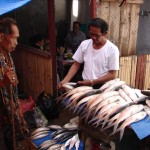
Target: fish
x=71 y=83
x=126 y=113
x=55 y=146
x=77 y=144
x=107 y=84
x=40 y=136
x=63 y=147
x=78 y=89
x=125 y=96
x=130 y=92
x=106 y=102
x=115 y=86
x=39 y=133
x=84 y=100
x=47 y=144
x=54 y=127
x=67 y=87
x=39 y=130
x=134 y=118
x=141 y=99
x=73 y=141
x=148 y=103
x=67 y=142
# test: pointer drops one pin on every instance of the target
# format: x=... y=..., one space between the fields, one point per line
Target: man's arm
x=71 y=73
x=112 y=74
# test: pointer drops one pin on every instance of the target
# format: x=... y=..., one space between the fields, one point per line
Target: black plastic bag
x=48 y=105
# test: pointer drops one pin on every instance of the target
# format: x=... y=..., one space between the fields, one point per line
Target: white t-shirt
x=97 y=63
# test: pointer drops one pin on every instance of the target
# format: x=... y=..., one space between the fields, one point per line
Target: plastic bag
x=40 y=119
x=47 y=105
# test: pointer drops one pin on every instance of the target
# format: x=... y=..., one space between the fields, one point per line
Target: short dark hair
x=76 y=22
x=5 y=25
x=99 y=23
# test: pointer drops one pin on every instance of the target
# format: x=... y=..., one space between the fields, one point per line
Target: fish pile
x=60 y=138
x=115 y=105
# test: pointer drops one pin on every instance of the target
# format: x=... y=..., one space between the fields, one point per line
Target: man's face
x=96 y=35
x=9 y=41
x=76 y=28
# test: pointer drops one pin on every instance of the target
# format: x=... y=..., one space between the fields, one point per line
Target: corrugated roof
x=9 y=5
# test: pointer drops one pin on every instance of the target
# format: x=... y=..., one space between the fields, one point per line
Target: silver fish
x=39 y=130
x=126 y=113
x=125 y=96
x=107 y=84
x=40 y=136
x=115 y=86
x=134 y=118
x=39 y=133
x=130 y=92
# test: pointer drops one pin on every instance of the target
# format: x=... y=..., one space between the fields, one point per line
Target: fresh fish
x=40 y=136
x=148 y=103
x=115 y=86
x=54 y=127
x=130 y=92
x=71 y=83
x=63 y=147
x=77 y=144
x=73 y=141
x=106 y=102
x=39 y=130
x=67 y=87
x=126 y=113
x=78 y=89
x=47 y=144
x=39 y=133
x=134 y=118
x=103 y=97
x=67 y=142
x=107 y=84
x=76 y=119
x=125 y=96
x=141 y=99
x=56 y=146
x=138 y=93
x=84 y=100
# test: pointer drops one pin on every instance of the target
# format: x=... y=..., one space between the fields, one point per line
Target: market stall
x=115 y=112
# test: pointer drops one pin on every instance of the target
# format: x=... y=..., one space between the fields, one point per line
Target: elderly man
x=9 y=118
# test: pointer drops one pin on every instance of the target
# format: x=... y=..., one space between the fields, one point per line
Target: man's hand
x=84 y=83
x=10 y=77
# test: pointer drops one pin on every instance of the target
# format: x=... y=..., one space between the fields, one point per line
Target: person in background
x=99 y=55
x=74 y=38
x=37 y=41
x=9 y=116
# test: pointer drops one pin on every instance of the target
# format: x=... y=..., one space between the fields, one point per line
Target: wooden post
x=51 y=18
x=93 y=8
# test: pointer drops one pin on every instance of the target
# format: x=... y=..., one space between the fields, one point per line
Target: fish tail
x=121 y=133
x=115 y=128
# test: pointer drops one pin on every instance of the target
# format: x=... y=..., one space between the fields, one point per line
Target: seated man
x=74 y=38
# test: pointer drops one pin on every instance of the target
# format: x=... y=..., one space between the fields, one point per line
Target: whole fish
x=73 y=141
x=67 y=87
x=125 y=96
x=39 y=130
x=78 y=89
x=39 y=133
x=115 y=86
x=107 y=84
x=134 y=118
x=126 y=113
x=55 y=146
x=40 y=136
x=47 y=144
x=130 y=92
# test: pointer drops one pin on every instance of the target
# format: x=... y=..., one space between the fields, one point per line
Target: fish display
x=115 y=105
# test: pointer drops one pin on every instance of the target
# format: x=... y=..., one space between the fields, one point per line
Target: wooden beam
x=93 y=8
x=51 y=19
x=127 y=1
